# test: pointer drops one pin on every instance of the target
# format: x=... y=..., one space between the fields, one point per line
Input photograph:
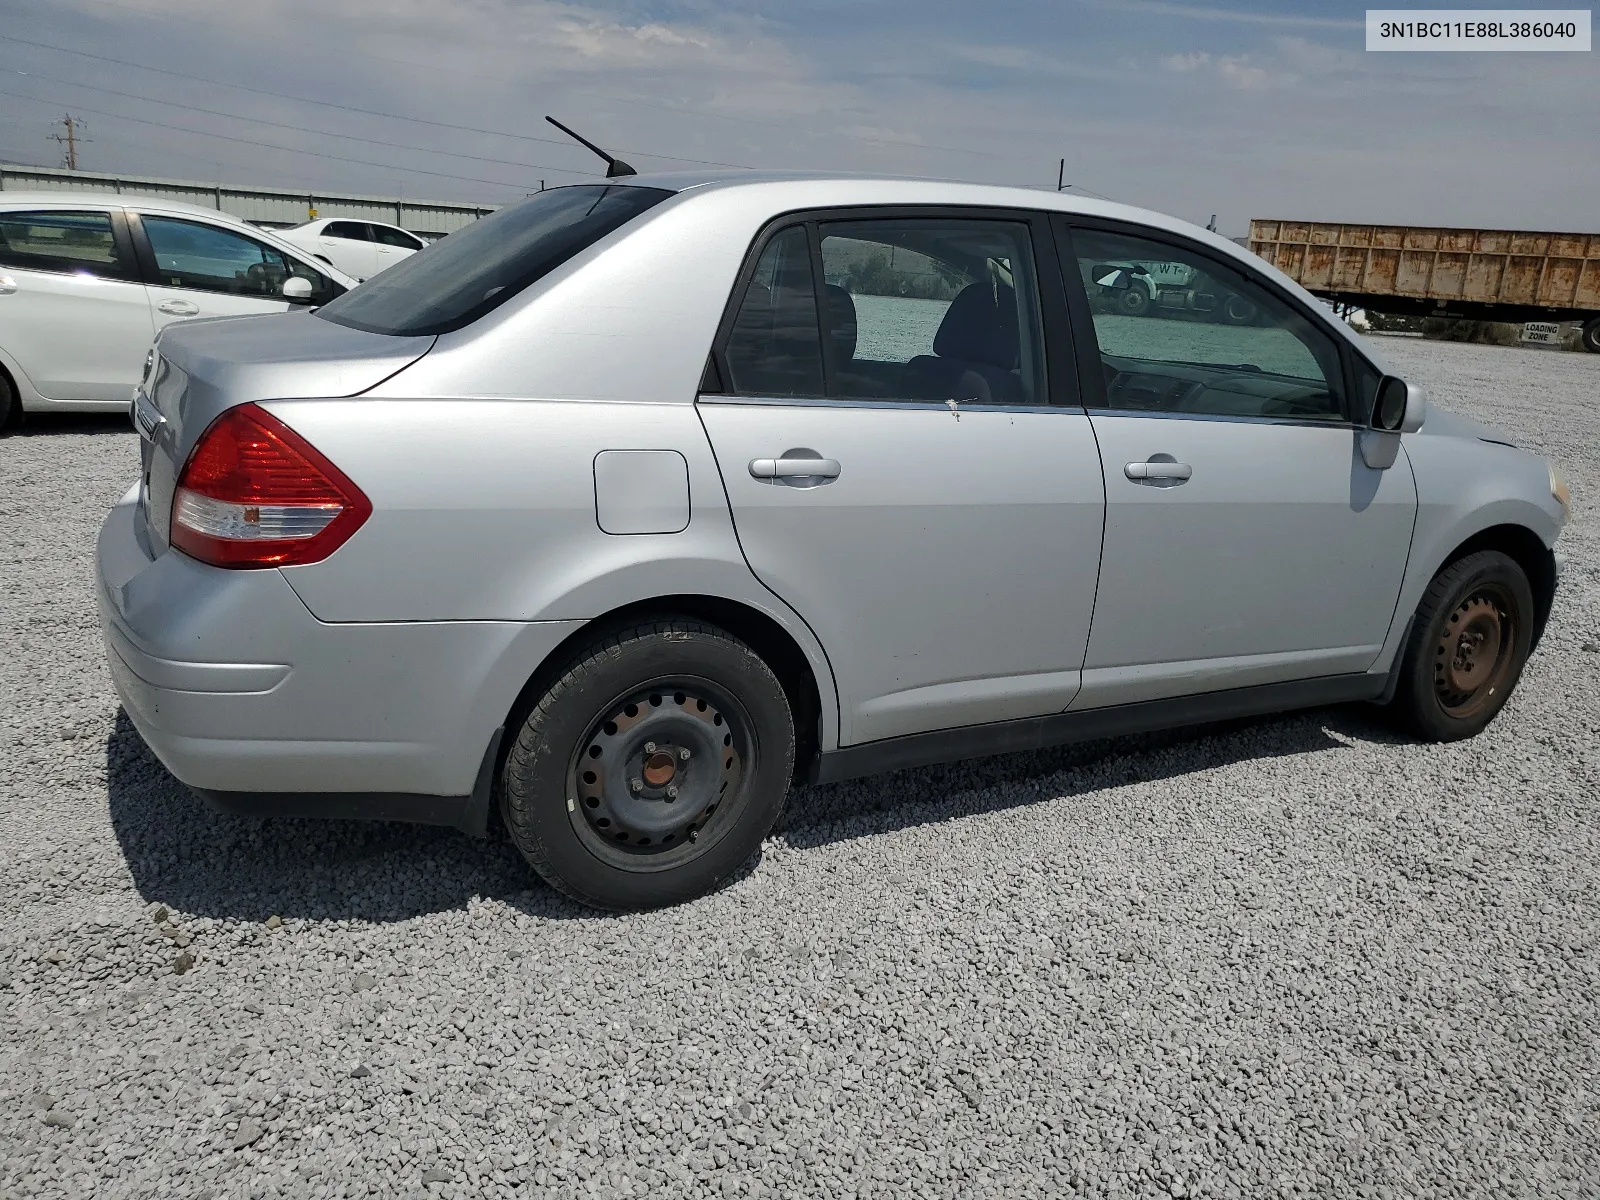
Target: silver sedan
x=636 y=502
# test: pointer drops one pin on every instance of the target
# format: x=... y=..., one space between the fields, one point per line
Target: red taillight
x=254 y=493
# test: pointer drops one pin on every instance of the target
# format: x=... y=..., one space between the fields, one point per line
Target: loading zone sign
x=1542 y=333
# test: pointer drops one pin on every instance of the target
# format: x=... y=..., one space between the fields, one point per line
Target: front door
x=72 y=310
x=1246 y=541
x=912 y=493
x=197 y=269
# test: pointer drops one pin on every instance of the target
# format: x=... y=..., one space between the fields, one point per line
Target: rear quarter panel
x=484 y=510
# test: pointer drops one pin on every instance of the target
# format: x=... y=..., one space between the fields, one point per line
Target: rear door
x=350 y=246
x=73 y=313
x=197 y=269
x=1247 y=542
x=914 y=493
x=391 y=245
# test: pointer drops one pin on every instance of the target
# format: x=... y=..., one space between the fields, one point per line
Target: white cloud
x=1193 y=12
x=1235 y=71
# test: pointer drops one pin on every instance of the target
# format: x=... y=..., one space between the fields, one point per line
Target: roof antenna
x=615 y=167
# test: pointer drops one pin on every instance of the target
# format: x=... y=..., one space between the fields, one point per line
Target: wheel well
x=1536 y=559
x=754 y=628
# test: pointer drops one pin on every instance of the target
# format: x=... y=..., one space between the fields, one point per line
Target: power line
x=368 y=112
x=212 y=112
x=291 y=149
x=652 y=105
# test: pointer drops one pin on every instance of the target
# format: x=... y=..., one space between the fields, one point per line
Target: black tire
x=1470 y=640
x=1236 y=310
x=721 y=752
x=1133 y=301
x=10 y=406
x=1591 y=336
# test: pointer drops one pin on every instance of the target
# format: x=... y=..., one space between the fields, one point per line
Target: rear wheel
x=652 y=768
x=1468 y=644
x=10 y=406
x=1591 y=336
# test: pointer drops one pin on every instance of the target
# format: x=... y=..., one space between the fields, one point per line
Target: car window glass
x=775 y=348
x=67 y=242
x=1181 y=333
x=209 y=259
x=483 y=265
x=389 y=236
x=352 y=231
x=932 y=310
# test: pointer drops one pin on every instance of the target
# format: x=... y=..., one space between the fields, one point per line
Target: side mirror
x=1399 y=407
x=297 y=288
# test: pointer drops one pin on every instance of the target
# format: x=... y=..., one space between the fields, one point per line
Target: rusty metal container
x=1488 y=274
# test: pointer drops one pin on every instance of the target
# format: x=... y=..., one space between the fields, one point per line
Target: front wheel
x=652 y=768
x=1471 y=637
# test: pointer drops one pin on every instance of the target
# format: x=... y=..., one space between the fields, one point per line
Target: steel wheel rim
x=1474 y=652
x=662 y=774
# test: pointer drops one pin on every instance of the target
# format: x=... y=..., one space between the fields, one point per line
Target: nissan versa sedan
x=634 y=503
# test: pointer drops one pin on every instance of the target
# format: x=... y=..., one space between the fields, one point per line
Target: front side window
x=478 y=268
x=350 y=231
x=1181 y=333
x=71 y=243
x=206 y=258
x=920 y=309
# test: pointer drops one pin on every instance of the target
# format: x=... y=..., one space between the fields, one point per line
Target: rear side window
x=72 y=243
x=775 y=348
x=459 y=279
x=387 y=235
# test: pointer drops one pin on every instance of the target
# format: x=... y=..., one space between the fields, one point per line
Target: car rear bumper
x=257 y=705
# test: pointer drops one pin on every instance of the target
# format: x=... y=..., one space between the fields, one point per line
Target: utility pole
x=69 y=139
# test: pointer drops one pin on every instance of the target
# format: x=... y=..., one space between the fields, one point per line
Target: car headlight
x=1561 y=492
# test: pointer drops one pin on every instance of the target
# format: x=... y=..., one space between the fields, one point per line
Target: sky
x=1239 y=108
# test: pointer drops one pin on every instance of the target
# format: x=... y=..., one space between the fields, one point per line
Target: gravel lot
x=1289 y=957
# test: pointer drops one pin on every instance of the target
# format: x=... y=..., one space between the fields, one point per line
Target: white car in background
x=358 y=248
x=87 y=281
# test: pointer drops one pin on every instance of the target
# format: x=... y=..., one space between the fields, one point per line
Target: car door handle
x=8 y=285
x=179 y=308
x=789 y=467
x=1145 y=472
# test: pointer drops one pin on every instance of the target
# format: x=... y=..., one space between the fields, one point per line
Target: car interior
x=974 y=353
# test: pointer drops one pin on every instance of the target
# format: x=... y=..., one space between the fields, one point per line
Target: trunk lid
x=202 y=368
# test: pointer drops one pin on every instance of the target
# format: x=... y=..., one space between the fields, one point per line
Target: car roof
x=77 y=199
x=903 y=189
x=804 y=189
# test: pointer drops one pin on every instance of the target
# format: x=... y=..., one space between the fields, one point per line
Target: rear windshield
x=459 y=278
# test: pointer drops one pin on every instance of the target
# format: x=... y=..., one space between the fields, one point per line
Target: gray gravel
x=1290 y=957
